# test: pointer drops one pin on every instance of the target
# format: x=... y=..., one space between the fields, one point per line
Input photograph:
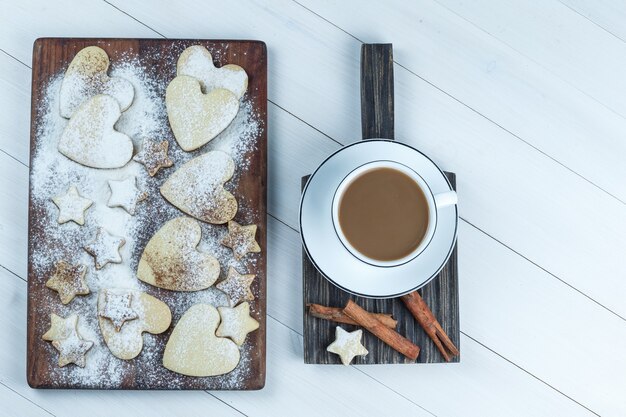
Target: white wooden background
x=525 y=101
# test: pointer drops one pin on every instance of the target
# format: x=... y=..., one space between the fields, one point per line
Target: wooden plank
x=14 y=404
x=52 y=55
x=14 y=209
x=14 y=82
x=377 y=115
x=568 y=49
x=608 y=14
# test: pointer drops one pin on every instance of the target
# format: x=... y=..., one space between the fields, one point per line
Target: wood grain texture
x=377 y=115
x=441 y=294
x=51 y=55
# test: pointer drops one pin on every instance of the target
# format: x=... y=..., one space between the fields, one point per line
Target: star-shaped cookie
x=105 y=248
x=60 y=328
x=72 y=206
x=63 y=334
x=72 y=349
x=153 y=155
x=68 y=280
x=237 y=286
x=241 y=239
x=347 y=345
x=117 y=308
x=236 y=323
x=125 y=194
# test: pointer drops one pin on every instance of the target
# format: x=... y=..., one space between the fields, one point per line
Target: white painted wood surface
x=525 y=101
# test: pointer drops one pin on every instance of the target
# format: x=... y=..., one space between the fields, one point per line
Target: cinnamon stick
x=376 y=327
x=417 y=306
x=337 y=314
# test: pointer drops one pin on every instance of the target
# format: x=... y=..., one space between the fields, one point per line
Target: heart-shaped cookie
x=197 y=188
x=195 y=117
x=132 y=312
x=197 y=62
x=171 y=260
x=90 y=139
x=87 y=77
x=194 y=350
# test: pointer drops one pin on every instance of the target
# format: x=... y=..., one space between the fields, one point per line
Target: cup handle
x=448 y=198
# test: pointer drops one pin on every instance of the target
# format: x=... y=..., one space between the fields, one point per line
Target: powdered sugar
x=197 y=62
x=52 y=174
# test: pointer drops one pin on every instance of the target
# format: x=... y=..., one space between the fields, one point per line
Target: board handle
x=377 y=91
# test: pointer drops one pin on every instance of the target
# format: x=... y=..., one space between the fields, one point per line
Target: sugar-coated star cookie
x=237 y=286
x=72 y=206
x=63 y=334
x=241 y=239
x=60 y=328
x=117 y=308
x=125 y=194
x=72 y=350
x=153 y=155
x=68 y=280
x=347 y=345
x=236 y=323
x=105 y=248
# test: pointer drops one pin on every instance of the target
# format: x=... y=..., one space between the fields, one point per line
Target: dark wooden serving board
x=441 y=294
x=51 y=56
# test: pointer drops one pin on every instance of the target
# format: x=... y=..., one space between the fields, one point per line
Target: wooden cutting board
x=441 y=294
x=51 y=56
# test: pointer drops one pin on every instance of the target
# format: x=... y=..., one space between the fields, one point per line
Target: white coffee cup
x=435 y=202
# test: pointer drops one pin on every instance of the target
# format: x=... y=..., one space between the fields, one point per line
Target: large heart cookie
x=90 y=139
x=195 y=117
x=87 y=77
x=194 y=350
x=197 y=62
x=172 y=261
x=197 y=188
x=124 y=315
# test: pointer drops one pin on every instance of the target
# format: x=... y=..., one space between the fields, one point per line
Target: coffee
x=383 y=213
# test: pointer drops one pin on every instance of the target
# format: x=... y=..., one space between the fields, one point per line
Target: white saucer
x=331 y=257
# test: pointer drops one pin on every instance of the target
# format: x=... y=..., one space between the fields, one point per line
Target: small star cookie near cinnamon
x=105 y=248
x=241 y=239
x=153 y=156
x=125 y=194
x=236 y=323
x=68 y=280
x=72 y=206
x=237 y=286
x=347 y=345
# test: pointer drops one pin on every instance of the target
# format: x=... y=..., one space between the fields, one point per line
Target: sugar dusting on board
x=52 y=174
